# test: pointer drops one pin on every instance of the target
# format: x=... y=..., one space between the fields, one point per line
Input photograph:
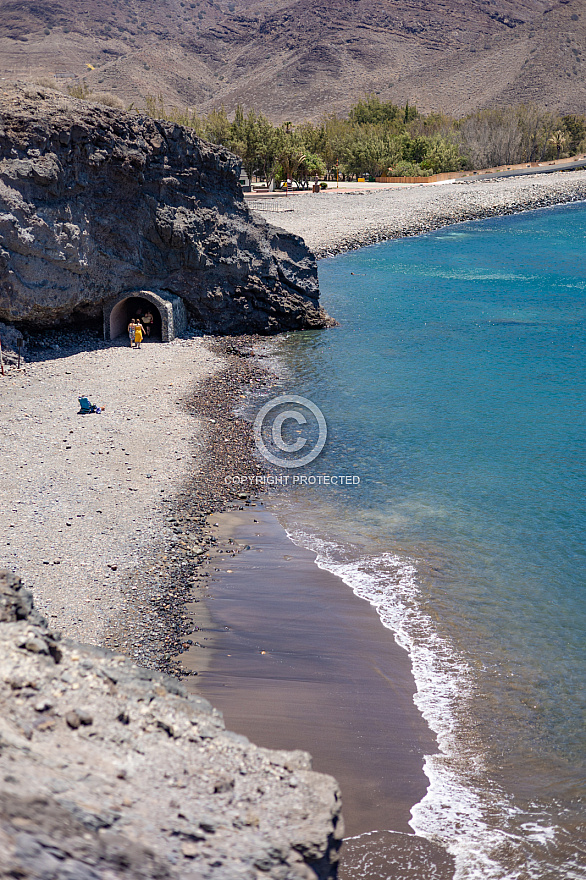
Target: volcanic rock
x=111 y=771
x=97 y=203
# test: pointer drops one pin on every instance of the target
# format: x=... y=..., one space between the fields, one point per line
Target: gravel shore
x=107 y=516
x=339 y=220
x=81 y=496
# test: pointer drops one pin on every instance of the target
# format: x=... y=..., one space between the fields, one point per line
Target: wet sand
x=298 y=661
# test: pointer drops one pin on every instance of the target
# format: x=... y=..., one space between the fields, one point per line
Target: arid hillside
x=295 y=59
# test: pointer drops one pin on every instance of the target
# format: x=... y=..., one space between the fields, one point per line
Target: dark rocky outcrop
x=110 y=771
x=96 y=202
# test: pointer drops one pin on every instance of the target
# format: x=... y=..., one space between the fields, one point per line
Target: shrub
x=48 y=83
x=107 y=99
x=409 y=169
x=79 y=90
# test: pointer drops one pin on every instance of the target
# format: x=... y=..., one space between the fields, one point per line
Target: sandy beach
x=298 y=661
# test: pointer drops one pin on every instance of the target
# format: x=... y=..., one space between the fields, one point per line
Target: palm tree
x=558 y=140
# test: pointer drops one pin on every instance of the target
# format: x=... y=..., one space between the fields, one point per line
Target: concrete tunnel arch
x=169 y=306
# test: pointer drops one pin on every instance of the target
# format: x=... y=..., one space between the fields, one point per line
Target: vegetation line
x=378 y=139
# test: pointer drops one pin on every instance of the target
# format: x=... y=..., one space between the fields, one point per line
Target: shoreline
x=156 y=609
x=96 y=507
x=347 y=220
x=299 y=661
x=279 y=707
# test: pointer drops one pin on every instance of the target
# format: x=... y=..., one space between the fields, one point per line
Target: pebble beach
x=337 y=220
x=81 y=495
x=106 y=514
x=110 y=518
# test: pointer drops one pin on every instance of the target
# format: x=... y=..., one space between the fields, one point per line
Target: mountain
x=296 y=59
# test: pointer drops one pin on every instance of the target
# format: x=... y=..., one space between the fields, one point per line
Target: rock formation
x=96 y=203
x=110 y=771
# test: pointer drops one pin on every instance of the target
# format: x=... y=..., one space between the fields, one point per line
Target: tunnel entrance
x=168 y=313
x=140 y=308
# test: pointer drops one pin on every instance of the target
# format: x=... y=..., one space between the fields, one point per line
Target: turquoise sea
x=455 y=389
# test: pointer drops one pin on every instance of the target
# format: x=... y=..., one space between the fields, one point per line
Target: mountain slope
x=296 y=59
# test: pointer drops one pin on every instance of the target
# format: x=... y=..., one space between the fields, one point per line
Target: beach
x=115 y=521
x=298 y=661
x=336 y=220
x=84 y=520
x=105 y=513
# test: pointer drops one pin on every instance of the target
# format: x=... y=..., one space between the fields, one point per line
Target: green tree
x=217 y=128
x=415 y=149
x=575 y=127
x=535 y=126
x=379 y=135
x=291 y=153
x=370 y=150
x=442 y=155
x=372 y=109
x=261 y=146
x=312 y=165
x=409 y=114
x=335 y=135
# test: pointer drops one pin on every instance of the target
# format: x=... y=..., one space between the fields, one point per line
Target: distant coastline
x=335 y=221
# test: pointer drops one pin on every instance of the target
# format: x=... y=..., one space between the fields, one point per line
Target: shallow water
x=454 y=389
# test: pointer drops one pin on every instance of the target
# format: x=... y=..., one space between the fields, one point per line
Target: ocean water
x=454 y=389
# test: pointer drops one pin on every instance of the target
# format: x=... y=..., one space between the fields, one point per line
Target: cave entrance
x=167 y=309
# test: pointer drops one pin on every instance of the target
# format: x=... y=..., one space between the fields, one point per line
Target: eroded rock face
x=111 y=771
x=95 y=202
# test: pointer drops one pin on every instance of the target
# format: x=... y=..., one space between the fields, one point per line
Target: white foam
x=455 y=808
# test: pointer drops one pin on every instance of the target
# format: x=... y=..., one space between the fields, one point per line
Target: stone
x=15 y=602
x=85 y=718
x=35 y=645
x=72 y=719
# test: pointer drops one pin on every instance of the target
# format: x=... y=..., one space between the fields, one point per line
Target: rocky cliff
x=109 y=771
x=96 y=202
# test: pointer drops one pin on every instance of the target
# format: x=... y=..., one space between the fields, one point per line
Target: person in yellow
x=138 y=334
